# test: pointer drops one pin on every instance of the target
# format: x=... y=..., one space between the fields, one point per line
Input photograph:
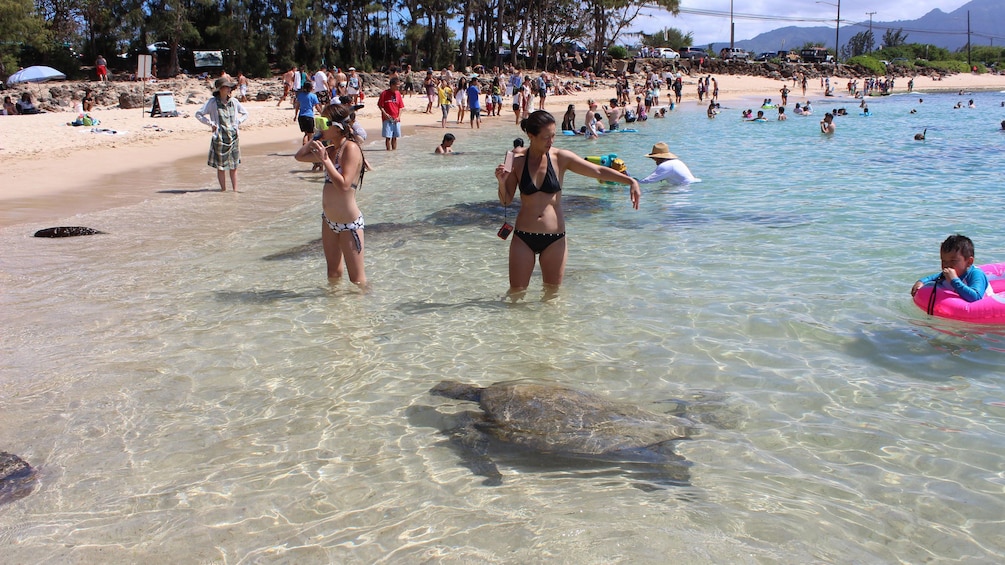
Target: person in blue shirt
x=473 y=103
x=305 y=103
x=958 y=270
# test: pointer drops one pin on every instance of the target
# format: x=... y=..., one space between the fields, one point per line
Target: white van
x=735 y=53
x=667 y=53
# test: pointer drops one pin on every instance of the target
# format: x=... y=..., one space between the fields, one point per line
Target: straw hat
x=221 y=82
x=661 y=151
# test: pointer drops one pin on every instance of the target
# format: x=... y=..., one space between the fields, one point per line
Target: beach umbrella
x=35 y=74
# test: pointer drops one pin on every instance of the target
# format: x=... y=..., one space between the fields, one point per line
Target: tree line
x=259 y=37
x=894 y=45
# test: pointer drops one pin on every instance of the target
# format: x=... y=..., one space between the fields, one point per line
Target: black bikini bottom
x=538 y=242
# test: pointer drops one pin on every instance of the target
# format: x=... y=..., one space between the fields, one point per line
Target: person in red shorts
x=101 y=66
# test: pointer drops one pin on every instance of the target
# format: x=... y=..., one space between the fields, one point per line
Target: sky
x=773 y=14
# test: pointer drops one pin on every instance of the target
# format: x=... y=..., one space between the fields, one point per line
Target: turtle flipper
x=472 y=446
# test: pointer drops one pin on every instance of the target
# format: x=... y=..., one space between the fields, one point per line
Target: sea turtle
x=17 y=478
x=563 y=422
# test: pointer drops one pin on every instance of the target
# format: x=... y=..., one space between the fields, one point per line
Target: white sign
x=143 y=66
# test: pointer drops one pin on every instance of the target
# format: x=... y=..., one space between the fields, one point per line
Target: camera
x=504 y=231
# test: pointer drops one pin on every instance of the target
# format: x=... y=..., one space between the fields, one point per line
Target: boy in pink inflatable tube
x=958 y=270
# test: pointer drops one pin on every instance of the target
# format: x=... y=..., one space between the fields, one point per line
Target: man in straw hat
x=668 y=167
x=223 y=114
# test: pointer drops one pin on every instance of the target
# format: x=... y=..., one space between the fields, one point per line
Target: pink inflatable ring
x=948 y=304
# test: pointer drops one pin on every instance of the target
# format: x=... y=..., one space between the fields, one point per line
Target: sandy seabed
x=45 y=160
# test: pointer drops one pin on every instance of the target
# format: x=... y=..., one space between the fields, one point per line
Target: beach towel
x=105 y=131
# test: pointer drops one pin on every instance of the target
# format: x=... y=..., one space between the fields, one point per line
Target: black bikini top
x=548 y=186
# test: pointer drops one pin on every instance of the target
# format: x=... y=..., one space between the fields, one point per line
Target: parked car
x=790 y=56
x=163 y=47
x=667 y=53
x=816 y=55
x=727 y=54
x=766 y=56
x=693 y=53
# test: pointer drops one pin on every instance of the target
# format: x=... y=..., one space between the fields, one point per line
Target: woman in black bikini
x=341 y=220
x=540 y=225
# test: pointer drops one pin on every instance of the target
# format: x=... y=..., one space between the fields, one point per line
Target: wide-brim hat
x=221 y=82
x=661 y=151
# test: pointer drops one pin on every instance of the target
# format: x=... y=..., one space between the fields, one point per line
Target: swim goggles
x=324 y=123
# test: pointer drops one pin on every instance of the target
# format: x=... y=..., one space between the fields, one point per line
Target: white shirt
x=320 y=82
x=673 y=171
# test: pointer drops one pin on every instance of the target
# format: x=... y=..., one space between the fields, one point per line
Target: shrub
x=617 y=52
x=951 y=66
x=870 y=63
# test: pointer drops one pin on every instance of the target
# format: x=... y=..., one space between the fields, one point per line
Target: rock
x=130 y=100
x=262 y=96
x=17 y=478
x=67 y=232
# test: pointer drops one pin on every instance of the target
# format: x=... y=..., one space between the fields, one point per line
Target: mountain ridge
x=947 y=30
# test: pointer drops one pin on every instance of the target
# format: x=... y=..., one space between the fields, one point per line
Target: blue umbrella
x=35 y=74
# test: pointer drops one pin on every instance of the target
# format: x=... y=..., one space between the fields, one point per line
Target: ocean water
x=192 y=390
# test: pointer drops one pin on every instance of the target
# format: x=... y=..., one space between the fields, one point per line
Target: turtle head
x=460 y=391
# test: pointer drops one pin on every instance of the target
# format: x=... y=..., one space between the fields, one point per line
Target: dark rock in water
x=72 y=231
x=17 y=478
x=567 y=424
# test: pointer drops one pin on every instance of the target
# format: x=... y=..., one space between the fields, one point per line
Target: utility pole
x=837 y=29
x=970 y=62
x=732 y=27
x=870 y=14
x=837 y=36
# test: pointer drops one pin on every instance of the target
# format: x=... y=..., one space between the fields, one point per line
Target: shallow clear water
x=189 y=385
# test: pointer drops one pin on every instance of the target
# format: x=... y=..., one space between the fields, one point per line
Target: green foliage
x=859 y=44
x=868 y=62
x=670 y=37
x=983 y=53
x=19 y=25
x=617 y=52
x=950 y=66
x=894 y=38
